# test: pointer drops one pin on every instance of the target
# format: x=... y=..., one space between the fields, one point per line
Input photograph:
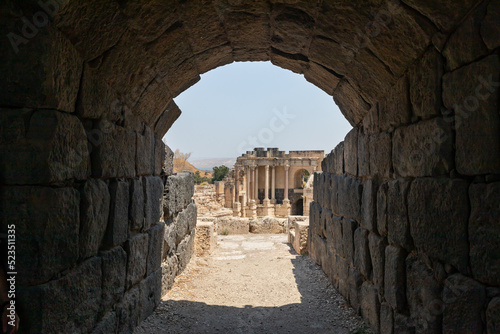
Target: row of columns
x=251 y=183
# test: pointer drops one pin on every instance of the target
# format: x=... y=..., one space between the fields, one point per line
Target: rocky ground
x=253 y=284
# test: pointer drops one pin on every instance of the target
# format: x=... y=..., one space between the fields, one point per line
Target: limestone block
x=380 y=148
x=166 y=119
x=464 y=300
x=185 y=251
x=107 y=324
x=114 y=272
x=213 y=58
x=322 y=50
x=398 y=226
x=292 y=29
x=46 y=222
x=247 y=29
x=322 y=77
x=403 y=324
x=145 y=152
x=326 y=219
x=184 y=221
x=314 y=216
x=394 y=109
x=114 y=151
x=352 y=105
x=493 y=316
x=153 y=201
x=386 y=319
x=370 y=122
x=137 y=253
x=423 y=149
x=337 y=226
x=150 y=293
x=339 y=159
x=42 y=147
x=465 y=44
x=155 y=250
x=301 y=231
x=424 y=295
x=472 y=92
x=395 y=278
x=351 y=152
x=129 y=310
x=489 y=27
x=168 y=165
x=382 y=208
x=425 y=85
x=363 y=154
x=362 y=259
x=348 y=228
x=169 y=238
x=136 y=209
x=350 y=191
x=368 y=206
x=179 y=190
x=334 y=196
x=169 y=270
x=205 y=238
x=445 y=14
x=159 y=156
x=342 y=270
x=484 y=232
x=46 y=307
x=232 y=225
x=52 y=80
x=370 y=305
x=377 y=246
x=268 y=225
x=327 y=164
x=438 y=211
x=354 y=281
x=117 y=231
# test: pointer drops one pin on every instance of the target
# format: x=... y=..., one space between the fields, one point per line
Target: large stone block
x=67 y=305
x=136 y=208
x=398 y=226
x=354 y=281
x=424 y=296
x=386 y=319
x=55 y=67
x=156 y=238
x=145 y=151
x=46 y=222
x=382 y=209
x=368 y=206
x=42 y=147
x=395 y=277
x=380 y=148
x=166 y=120
x=179 y=191
x=370 y=305
x=267 y=225
x=350 y=191
x=472 y=93
x=351 y=152
x=464 y=301
x=363 y=155
x=169 y=269
x=342 y=270
x=185 y=251
x=94 y=212
x=153 y=201
x=377 y=246
x=403 y=324
x=107 y=324
x=394 y=109
x=352 y=105
x=150 y=294
x=425 y=85
x=159 y=156
x=113 y=151
x=137 y=254
x=484 y=232
x=117 y=231
x=321 y=77
x=114 y=272
x=362 y=259
x=489 y=27
x=438 y=210
x=184 y=222
x=348 y=228
x=423 y=149
x=129 y=310
x=339 y=159
x=493 y=316
x=206 y=238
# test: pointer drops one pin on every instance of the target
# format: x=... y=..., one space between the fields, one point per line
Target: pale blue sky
x=236 y=106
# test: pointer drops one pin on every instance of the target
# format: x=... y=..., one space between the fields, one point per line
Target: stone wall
x=406 y=211
x=208 y=200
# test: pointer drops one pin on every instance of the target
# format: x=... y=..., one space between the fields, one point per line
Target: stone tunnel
x=406 y=215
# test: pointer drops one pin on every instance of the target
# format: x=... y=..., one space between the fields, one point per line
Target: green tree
x=219 y=173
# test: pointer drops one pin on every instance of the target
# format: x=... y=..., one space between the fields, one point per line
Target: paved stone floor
x=253 y=284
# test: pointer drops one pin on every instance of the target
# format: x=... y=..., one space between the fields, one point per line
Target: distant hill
x=208 y=164
x=180 y=166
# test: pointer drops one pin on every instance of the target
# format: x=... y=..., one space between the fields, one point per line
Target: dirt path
x=253 y=284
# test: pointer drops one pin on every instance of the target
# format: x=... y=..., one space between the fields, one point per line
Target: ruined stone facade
x=271 y=183
x=406 y=211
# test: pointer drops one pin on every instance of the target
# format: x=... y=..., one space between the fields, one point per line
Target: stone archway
x=87 y=95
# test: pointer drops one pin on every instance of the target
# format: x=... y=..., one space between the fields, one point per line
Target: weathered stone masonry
x=406 y=215
x=88 y=93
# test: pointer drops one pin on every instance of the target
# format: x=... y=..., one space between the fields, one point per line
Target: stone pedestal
x=237 y=209
x=253 y=210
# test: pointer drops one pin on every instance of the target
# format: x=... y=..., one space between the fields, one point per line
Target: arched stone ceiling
x=144 y=53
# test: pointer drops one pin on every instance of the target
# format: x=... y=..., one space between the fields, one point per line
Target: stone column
x=273 y=185
x=257 y=184
x=236 y=185
x=267 y=202
x=286 y=200
x=252 y=184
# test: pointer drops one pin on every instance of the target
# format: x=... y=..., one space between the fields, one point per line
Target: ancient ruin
x=271 y=183
x=405 y=213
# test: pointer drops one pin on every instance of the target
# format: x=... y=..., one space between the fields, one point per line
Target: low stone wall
x=207 y=199
x=237 y=225
x=298 y=233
